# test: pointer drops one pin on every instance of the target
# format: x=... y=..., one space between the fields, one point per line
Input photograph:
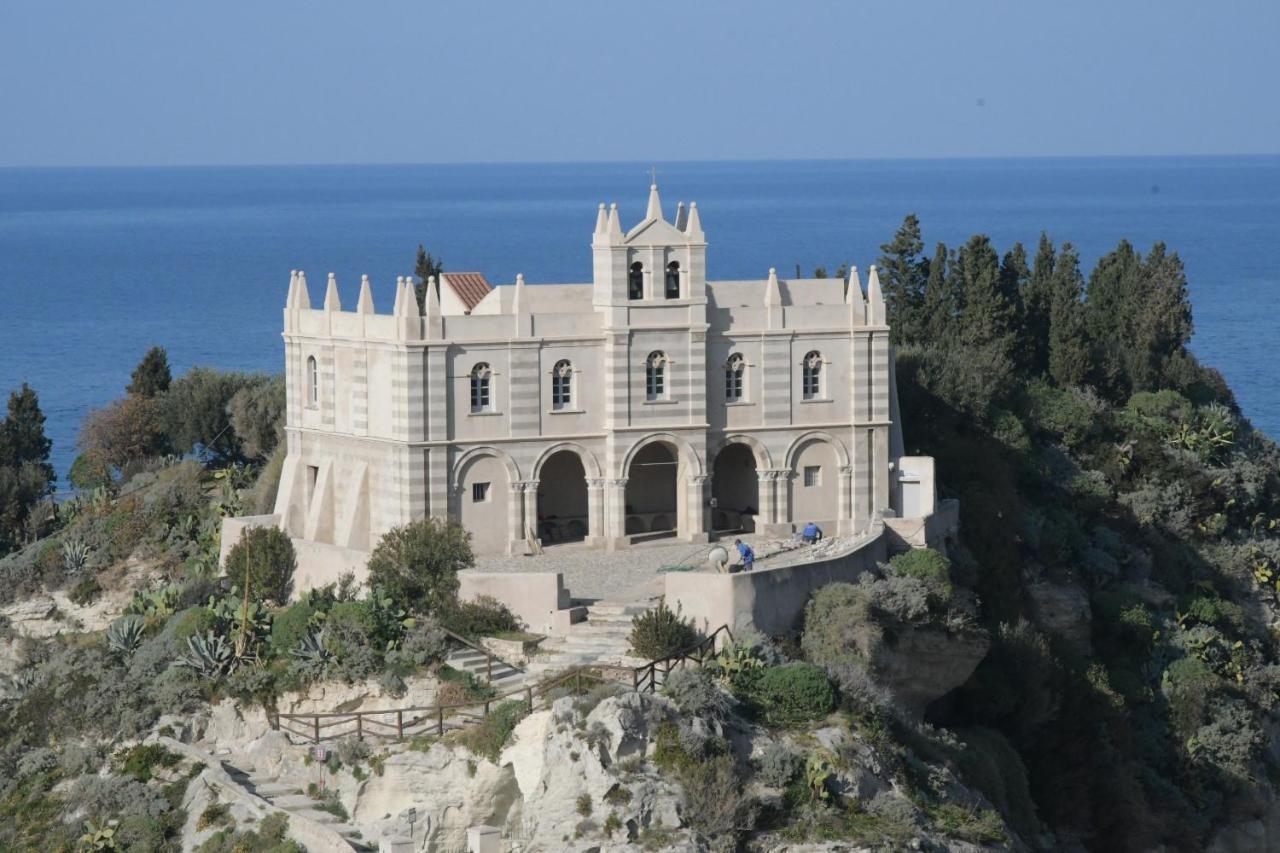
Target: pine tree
x=151 y=377
x=1068 y=350
x=1035 y=307
x=1162 y=328
x=424 y=268
x=904 y=273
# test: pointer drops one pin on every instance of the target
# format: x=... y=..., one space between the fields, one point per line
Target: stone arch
x=815 y=486
x=466 y=459
x=483 y=478
x=842 y=455
x=687 y=454
x=589 y=462
x=763 y=458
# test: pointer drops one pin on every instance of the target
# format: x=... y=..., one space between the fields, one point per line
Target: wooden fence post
x=316 y=722
x=440 y=721
x=399 y=725
x=359 y=727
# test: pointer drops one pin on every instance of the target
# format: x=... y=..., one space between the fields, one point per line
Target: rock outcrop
x=916 y=663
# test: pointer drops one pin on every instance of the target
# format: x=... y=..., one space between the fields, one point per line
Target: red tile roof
x=470 y=287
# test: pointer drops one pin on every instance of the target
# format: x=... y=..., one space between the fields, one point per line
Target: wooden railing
x=489 y=657
x=401 y=723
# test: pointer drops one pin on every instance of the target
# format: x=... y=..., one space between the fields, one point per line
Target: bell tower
x=657 y=262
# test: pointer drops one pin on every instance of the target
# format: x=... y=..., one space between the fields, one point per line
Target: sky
x=87 y=82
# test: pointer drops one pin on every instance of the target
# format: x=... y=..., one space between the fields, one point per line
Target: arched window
x=635 y=281
x=812 y=383
x=734 y=369
x=561 y=385
x=480 y=376
x=313 y=383
x=655 y=368
x=673 y=280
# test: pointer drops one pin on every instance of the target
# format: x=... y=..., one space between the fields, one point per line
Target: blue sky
x=87 y=82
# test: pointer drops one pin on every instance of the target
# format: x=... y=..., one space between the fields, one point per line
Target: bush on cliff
x=265 y=560
x=661 y=632
x=418 y=564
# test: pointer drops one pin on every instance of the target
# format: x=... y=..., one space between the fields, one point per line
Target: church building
x=646 y=403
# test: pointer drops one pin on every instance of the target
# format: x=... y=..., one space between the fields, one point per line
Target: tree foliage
x=424 y=267
x=418 y=564
x=151 y=377
x=264 y=559
x=127 y=430
x=26 y=477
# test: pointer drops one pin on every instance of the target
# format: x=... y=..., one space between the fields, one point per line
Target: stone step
x=615 y=609
x=319 y=816
x=269 y=790
x=293 y=802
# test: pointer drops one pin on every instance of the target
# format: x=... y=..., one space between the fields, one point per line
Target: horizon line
x=608 y=162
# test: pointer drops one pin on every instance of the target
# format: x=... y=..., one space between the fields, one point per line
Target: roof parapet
x=682 y=216
x=615 y=225
x=303 y=300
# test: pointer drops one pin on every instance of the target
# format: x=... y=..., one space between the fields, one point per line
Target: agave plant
x=210 y=655
x=22 y=682
x=75 y=556
x=125 y=634
x=312 y=649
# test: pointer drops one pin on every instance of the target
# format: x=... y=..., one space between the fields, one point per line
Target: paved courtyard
x=634 y=575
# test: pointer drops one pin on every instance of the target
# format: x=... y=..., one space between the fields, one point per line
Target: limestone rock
x=918 y=663
x=1062 y=609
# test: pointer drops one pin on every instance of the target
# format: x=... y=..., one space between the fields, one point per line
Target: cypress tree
x=988 y=314
x=23 y=432
x=1035 y=307
x=1162 y=325
x=940 y=301
x=424 y=267
x=903 y=276
x=151 y=377
x=1068 y=345
x=1113 y=300
x=1014 y=275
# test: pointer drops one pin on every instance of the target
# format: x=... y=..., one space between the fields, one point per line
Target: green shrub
x=778 y=764
x=661 y=632
x=141 y=761
x=584 y=805
x=792 y=693
x=482 y=617
x=418 y=564
x=265 y=556
x=192 y=622
x=290 y=625
x=492 y=733
x=696 y=694
x=927 y=566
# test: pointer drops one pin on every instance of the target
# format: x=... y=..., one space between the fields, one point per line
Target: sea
x=98 y=264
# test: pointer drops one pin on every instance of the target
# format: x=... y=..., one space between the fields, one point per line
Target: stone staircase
x=602 y=638
x=292 y=798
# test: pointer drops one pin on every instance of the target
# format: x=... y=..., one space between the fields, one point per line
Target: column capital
x=617 y=482
x=699 y=479
x=596 y=482
x=846 y=471
x=531 y=486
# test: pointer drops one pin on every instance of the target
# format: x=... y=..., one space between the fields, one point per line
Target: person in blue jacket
x=748 y=556
x=812 y=533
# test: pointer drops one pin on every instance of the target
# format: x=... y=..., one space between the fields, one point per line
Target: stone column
x=768 y=509
x=595 y=512
x=515 y=518
x=531 y=508
x=696 y=507
x=782 y=500
x=615 y=529
x=845 y=523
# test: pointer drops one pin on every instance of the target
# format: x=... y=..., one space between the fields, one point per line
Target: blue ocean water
x=96 y=265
